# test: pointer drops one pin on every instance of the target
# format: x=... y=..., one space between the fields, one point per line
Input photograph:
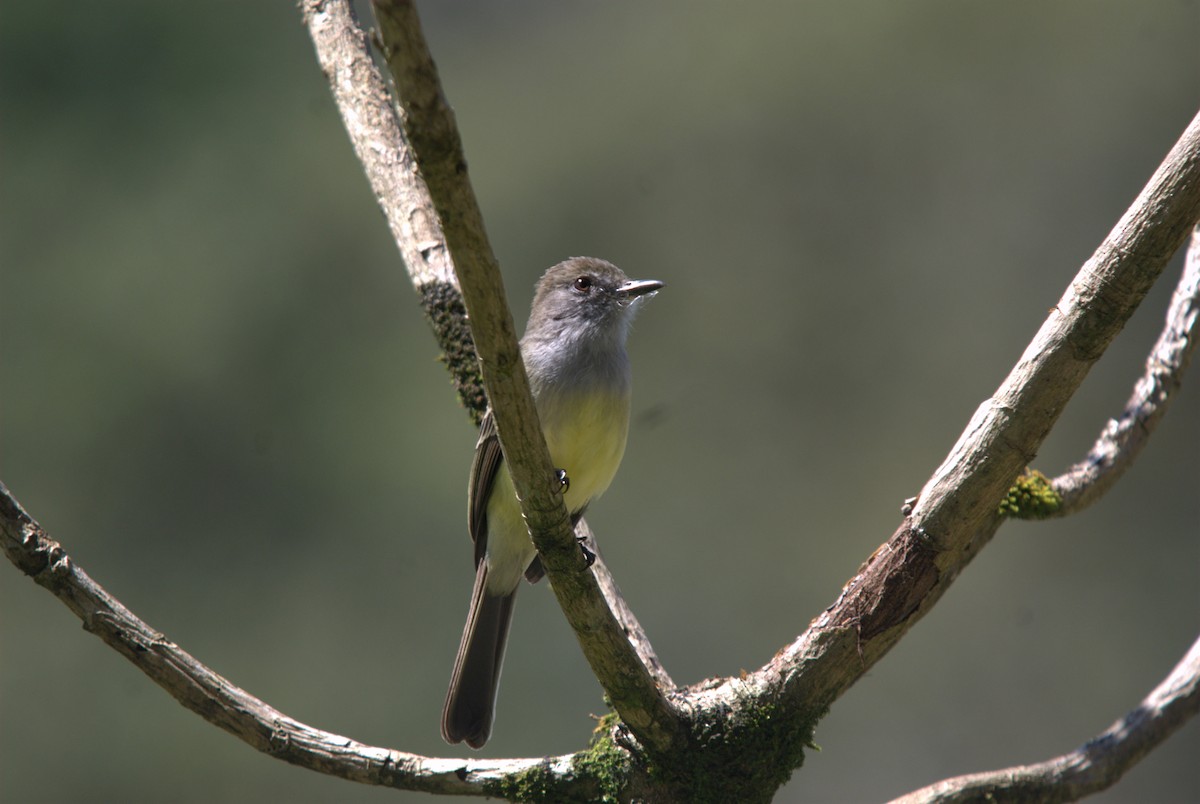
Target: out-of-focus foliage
x=219 y=394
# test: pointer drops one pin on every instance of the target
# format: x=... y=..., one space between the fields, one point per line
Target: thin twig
x=616 y=601
x=374 y=126
x=1122 y=439
x=1092 y=767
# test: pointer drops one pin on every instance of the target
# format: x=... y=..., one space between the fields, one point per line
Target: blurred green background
x=220 y=395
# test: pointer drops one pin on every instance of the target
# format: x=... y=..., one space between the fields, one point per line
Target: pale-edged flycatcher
x=574 y=353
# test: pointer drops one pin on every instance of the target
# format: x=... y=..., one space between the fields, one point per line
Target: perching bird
x=574 y=353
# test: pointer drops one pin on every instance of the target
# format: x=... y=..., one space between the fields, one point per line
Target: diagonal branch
x=1007 y=430
x=629 y=672
x=369 y=113
x=1092 y=767
x=956 y=514
x=1122 y=439
x=374 y=127
x=248 y=718
x=629 y=681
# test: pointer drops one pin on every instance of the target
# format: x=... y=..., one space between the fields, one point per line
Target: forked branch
x=1122 y=439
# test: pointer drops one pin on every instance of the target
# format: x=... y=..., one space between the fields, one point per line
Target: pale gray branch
x=1092 y=767
x=1122 y=439
x=221 y=703
x=369 y=113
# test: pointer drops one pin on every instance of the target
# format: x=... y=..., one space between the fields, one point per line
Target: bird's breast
x=585 y=431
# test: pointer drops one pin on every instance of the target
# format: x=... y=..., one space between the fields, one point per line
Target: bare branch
x=956 y=514
x=369 y=114
x=1092 y=767
x=1122 y=439
x=201 y=690
x=1007 y=430
x=440 y=163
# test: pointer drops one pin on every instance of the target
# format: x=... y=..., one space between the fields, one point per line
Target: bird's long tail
x=471 y=699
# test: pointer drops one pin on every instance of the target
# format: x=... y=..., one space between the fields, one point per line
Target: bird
x=579 y=375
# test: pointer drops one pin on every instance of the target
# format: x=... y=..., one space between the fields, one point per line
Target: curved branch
x=1092 y=767
x=1122 y=439
x=251 y=720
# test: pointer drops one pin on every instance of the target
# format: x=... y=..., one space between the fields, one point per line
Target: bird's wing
x=483 y=474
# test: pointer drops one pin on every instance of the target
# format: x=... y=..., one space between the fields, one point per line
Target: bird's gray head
x=584 y=298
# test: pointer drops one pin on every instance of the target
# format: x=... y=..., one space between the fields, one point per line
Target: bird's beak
x=638 y=287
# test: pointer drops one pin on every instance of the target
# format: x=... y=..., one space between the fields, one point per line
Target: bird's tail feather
x=471 y=699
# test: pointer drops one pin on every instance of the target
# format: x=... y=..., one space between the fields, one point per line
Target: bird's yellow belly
x=586 y=437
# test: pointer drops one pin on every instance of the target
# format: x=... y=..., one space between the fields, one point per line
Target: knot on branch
x=892 y=585
x=42 y=554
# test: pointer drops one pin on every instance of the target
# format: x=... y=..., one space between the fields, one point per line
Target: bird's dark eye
x=583 y=284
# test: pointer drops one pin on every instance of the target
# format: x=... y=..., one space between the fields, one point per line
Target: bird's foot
x=588 y=555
